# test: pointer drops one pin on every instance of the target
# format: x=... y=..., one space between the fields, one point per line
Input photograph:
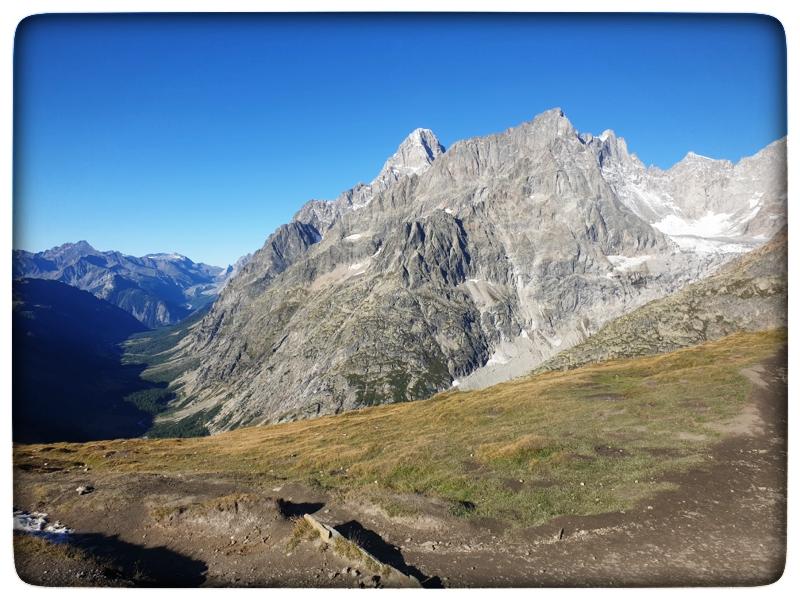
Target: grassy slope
x=585 y=441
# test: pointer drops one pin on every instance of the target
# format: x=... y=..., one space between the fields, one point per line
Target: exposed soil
x=723 y=523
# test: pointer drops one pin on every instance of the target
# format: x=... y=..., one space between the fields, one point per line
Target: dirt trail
x=724 y=524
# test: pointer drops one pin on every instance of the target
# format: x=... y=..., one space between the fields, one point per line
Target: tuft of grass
x=350 y=550
x=471 y=449
x=35 y=545
x=302 y=531
x=347 y=549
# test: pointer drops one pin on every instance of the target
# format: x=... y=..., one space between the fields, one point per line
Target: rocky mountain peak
x=415 y=154
x=554 y=113
x=611 y=147
x=81 y=246
x=552 y=123
x=71 y=251
x=695 y=161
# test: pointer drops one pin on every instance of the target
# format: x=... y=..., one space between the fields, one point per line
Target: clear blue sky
x=201 y=134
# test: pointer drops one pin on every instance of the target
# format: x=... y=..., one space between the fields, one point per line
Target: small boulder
x=84 y=489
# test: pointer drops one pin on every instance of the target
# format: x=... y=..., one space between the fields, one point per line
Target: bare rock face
x=465 y=267
x=747 y=294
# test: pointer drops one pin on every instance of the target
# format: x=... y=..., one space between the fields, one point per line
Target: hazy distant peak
x=81 y=245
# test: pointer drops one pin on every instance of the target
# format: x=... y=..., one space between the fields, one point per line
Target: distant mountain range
x=466 y=267
x=157 y=289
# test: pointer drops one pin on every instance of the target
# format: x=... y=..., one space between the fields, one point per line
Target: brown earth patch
x=611 y=451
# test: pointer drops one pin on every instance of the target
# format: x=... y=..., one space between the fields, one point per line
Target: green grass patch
x=191 y=426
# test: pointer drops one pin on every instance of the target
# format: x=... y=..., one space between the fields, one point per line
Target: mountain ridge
x=157 y=289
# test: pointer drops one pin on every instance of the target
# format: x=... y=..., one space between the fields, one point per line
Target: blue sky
x=201 y=134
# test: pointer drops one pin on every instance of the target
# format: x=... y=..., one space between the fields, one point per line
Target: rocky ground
x=723 y=523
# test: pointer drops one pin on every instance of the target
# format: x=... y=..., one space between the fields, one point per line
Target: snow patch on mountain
x=701 y=245
x=709 y=225
x=498 y=358
x=627 y=263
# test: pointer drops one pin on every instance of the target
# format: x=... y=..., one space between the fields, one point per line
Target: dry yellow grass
x=301 y=531
x=550 y=433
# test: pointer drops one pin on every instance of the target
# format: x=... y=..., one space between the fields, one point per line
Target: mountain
x=464 y=267
x=68 y=381
x=157 y=289
x=747 y=294
x=701 y=203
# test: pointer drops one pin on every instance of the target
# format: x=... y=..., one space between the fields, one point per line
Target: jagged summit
x=415 y=154
x=555 y=112
x=554 y=122
x=426 y=140
x=608 y=133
